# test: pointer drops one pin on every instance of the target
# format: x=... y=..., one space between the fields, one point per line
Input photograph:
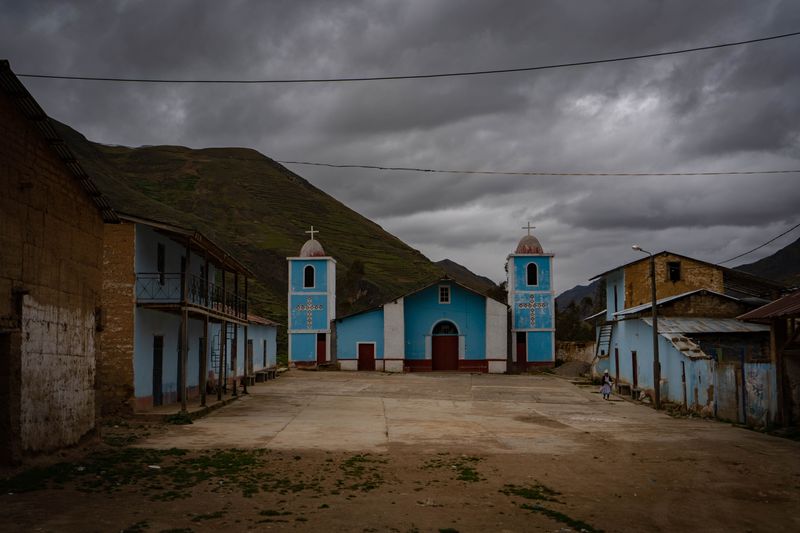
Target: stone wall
x=115 y=362
x=704 y=305
x=575 y=351
x=694 y=275
x=51 y=239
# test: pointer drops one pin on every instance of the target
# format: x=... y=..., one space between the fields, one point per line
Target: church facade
x=441 y=326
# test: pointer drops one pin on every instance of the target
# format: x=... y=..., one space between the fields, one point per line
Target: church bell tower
x=312 y=304
x=531 y=298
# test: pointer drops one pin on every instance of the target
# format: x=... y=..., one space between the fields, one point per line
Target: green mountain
x=258 y=211
x=466 y=277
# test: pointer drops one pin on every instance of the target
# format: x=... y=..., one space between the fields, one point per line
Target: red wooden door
x=321 y=348
x=366 y=357
x=522 y=351
x=445 y=352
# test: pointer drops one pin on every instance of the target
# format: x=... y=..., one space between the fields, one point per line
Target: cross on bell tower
x=312 y=231
x=527 y=227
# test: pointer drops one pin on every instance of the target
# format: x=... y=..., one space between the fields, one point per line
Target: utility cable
x=416 y=76
x=540 y=173
x=761 y=246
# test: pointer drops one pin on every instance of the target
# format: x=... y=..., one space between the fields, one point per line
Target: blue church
x=312 y=304
x=443 y=325
x=531 y=299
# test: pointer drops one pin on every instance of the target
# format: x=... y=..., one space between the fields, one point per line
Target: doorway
x=321 y=349
x=6 y=382
x=158 y=369
x=635 y=370
x=616 y=366
x=366 y=356
x=522 y=351
x=444 y=346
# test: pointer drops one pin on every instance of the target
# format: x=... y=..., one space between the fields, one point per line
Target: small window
x=532 y=274
x=445 y=328
x=444 y=294
x=308 y=277
x=674 y=270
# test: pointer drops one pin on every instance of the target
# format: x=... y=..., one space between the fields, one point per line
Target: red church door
x=444 y=346
x=366 y=357
x=522 y=351
x=321 y=348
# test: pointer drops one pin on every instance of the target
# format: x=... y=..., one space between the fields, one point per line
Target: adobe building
x=51 y=236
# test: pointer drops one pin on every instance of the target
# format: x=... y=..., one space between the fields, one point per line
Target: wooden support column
x=206 y=351
x=223 y=328
x=224 y=335
x=248 y=355
x=184 y=355
x=235 y=348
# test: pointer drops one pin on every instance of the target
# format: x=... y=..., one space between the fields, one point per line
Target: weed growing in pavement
x=536 y=491
x=363 y=468
x=578 y=525
x=208 y=516
x=179 y=419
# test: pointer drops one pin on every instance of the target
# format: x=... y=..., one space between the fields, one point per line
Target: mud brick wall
x=115 y=362
x=704 y=305
x=51 y=239
x=694 y=275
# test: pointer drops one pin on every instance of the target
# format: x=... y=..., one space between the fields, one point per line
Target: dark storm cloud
x=731 y=109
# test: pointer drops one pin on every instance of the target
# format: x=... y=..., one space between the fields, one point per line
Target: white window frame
x=449 y=295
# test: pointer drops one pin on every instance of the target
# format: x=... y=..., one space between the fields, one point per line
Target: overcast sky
x=720 y=110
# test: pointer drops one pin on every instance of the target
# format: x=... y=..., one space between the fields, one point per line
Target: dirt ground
x=438 y=452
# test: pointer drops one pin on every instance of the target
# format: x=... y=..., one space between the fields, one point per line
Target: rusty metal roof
x=668 y=326
x=30 y=108
x=786 y=307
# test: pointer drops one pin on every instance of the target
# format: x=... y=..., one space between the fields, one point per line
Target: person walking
x=605 y=389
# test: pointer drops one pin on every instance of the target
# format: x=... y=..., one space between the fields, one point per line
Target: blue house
x=176 y=324
x=709 y=361
x=442 y=326
x=530 y=297
x=312 y=304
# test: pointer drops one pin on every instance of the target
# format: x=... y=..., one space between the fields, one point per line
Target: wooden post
x=248 y=358
x=205 y=353
x=184 y=355
x=223 y=327
x=224 y=335
x=235 y=347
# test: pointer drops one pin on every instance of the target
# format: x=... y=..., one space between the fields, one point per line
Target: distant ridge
x=783 y=265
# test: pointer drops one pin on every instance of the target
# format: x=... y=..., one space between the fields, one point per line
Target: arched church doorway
x=444 y=346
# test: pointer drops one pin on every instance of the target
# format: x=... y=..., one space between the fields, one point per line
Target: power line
x=540 y=173
x=763 y=245
x=416 y=76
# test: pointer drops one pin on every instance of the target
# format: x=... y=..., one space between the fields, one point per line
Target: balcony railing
x=167 y=288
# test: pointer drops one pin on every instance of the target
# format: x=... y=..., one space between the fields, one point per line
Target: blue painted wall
x=147 y=324
x=520 y=265
x=466 y=310
x=261 y=334
x=364 y=327
x=304 y=347
x=540 y=346
x=321 y=275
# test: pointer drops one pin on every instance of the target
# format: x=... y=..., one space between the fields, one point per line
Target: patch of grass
x=536 y=491
x=272 y=512
x=364 y=468
x=578 y=525
x=448 y=530
x=179 y=419
x=138 y=527
x=463 y=466
x=208 y=516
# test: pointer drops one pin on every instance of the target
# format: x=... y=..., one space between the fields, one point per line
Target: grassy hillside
x=258 y=210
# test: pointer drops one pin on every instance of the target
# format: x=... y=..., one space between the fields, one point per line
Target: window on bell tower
x=308 y=277
x=532 y=272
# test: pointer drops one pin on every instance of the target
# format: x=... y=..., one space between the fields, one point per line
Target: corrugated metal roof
x=668 y=326
x=686 y=346
x=648 y=305
x=786 y=307
x=596 y=315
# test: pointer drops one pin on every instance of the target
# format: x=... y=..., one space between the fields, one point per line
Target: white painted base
x=379 y=365
x=348 y=364
x=393 y=365
x=497 y=367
